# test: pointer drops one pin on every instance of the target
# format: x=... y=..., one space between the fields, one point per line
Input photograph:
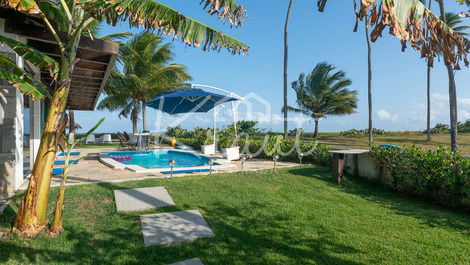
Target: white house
x=22 y=119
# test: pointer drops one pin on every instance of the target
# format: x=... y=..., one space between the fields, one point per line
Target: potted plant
x=207 y=143
x=228 y=145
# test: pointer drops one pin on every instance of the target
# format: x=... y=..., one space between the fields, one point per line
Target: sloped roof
x=96 y=58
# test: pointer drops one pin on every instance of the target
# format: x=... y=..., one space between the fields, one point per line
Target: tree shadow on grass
x=252 y=234
x=427 y=212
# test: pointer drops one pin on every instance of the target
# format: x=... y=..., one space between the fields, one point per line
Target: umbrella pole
x=234 y=118
x=214 y=127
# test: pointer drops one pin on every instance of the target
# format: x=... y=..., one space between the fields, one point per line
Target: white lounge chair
x=90 y=139
x=105 y=139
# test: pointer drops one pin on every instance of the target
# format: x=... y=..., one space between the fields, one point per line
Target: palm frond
x=228 y=10
x=408 y=20
x=153 y=15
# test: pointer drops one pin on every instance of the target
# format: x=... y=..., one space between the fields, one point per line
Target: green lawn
x=399 y=138
x=291 y=216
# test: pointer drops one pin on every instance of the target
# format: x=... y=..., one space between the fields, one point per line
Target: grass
x=289 y=216
x=398 y=138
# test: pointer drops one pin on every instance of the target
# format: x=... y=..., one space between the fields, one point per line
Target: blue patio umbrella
x=187 y=101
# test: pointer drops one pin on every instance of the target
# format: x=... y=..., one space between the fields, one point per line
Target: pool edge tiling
x=107 y=160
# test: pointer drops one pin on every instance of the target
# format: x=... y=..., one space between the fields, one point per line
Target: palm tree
x=323 y=93
x=403 y=22
x=450 y=72
x=453 y=21
x=146 y=71
x=369 y=79
x=286 y=59
x=73 y=18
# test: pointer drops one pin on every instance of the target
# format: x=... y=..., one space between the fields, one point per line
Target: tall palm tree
x=454 y=21
x=428 y=89
x=286 y=60
x=324 y=93
x=146 y=71
x=452 y=85
x=73 y=18
x=369 y=80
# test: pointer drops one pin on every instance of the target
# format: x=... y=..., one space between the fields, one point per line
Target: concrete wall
x=365 y=167
x=11 y=128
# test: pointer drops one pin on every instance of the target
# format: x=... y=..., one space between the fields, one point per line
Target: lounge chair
x=90 y=139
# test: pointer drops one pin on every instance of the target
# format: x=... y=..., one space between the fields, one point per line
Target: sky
x=399 y=78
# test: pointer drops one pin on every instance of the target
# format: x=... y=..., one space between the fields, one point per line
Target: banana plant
x=67 y=146
x=73 y=19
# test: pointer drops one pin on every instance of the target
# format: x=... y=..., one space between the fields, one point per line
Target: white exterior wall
x=11 y=127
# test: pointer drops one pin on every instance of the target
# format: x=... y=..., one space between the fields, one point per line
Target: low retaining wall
x=363 y=166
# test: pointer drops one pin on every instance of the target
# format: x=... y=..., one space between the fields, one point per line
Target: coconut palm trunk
x=428 y=91
x=135 y=115
x=32 y=214
x=428 y=98
x=452 y=92
x=369 y=80
x=144 y=115
x=315 y=134
x=286 y=59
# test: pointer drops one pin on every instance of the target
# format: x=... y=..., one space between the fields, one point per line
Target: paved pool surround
x=219 y=163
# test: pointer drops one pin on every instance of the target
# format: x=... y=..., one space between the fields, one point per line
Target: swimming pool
x=160 y=159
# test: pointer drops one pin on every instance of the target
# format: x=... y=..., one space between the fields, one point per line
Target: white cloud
x=386 y=116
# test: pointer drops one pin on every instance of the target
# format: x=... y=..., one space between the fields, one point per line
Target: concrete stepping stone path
x=142 y=199
x=195 y=261
x=174 y=227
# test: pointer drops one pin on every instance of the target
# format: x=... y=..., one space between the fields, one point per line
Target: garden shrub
x=441 y=175
x=355 y=132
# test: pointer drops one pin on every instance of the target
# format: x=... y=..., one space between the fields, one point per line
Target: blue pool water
x=160 y=159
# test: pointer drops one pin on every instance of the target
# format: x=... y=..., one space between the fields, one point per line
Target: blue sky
x=399 y=88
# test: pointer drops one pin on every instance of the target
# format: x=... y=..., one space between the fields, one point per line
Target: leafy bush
x=464 y=127
x=355 y=132
x=176 y=131
x=313 y=153
x=247 y=127
x=440 y=175
x=439 y=128
x=296 y=131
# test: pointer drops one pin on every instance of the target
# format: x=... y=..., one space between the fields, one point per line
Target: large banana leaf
x=408 y=20
x=153 y=15
x=25 y=6
x=33 y=56
x=21 y=79
x=228 y=10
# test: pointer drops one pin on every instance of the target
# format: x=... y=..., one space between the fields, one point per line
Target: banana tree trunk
x=452 y=93
x=56 y=224
x=144 y=115
x=31 y=219
x=286 y=59
x=135 y=115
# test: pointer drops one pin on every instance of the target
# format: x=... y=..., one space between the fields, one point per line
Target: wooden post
x=338 y=167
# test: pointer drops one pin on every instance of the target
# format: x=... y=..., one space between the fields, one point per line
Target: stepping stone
x=142 y=199
x=195 y=261
x=175 y=227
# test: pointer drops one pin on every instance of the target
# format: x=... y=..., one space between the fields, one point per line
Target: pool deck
x=91 y=170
